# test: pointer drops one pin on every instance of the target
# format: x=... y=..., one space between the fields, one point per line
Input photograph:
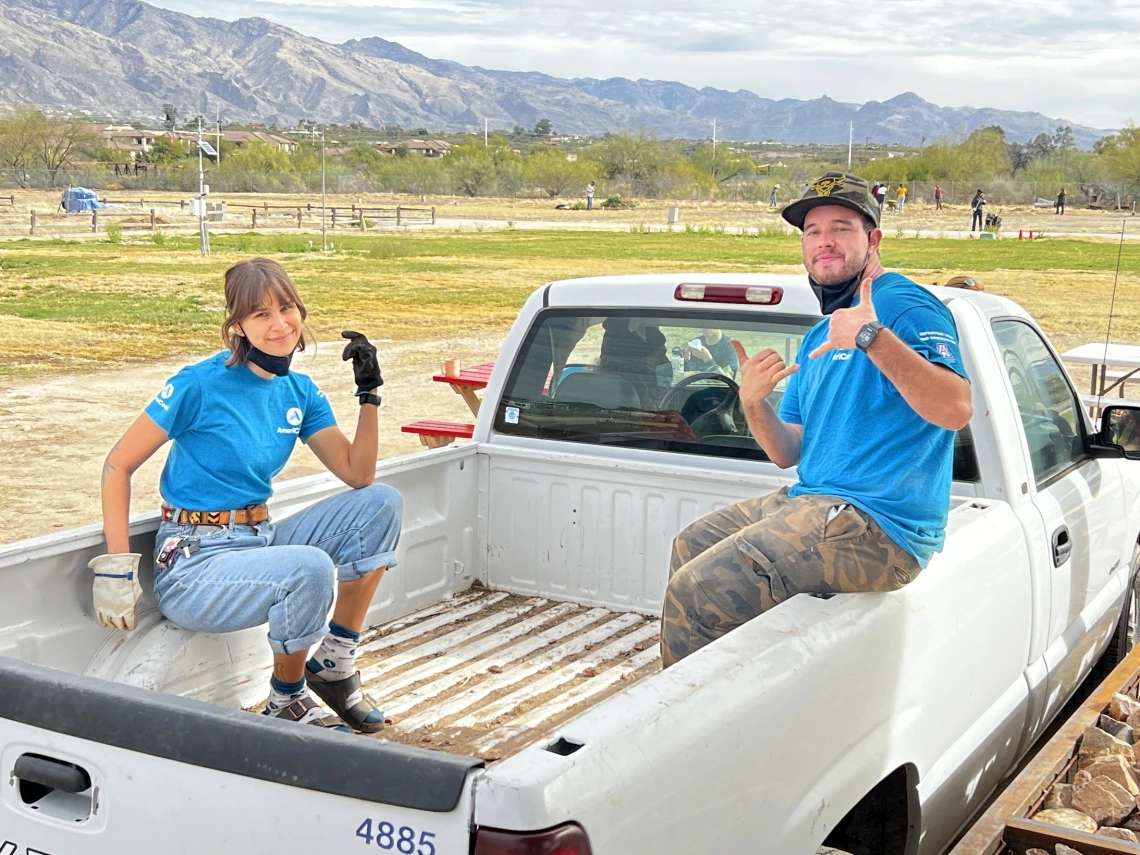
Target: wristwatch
x=369 y=398
x=866 y=336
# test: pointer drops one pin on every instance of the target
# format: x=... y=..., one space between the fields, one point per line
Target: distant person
x=900 y=198
x=937 y=197
x=875 y=192
x=711 y=351
x=774 y=199
x=977 y=204
x=590 y=196
x=1059 y=205
x=882 y=197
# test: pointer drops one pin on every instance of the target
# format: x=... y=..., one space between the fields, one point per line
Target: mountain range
x=125 y=58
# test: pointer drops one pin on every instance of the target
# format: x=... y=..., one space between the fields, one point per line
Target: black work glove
x=364 y=363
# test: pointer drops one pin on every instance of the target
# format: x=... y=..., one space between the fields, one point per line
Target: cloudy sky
x=1074 y=59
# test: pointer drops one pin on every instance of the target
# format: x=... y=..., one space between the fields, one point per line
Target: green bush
x=159 y=238
x=114 y=232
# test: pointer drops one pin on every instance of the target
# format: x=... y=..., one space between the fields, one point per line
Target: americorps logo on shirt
x=294 y=416
x=164 y=395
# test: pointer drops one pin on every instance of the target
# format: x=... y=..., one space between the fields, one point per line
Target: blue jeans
x=589 y=203
x=281 y=573
x=900 y=205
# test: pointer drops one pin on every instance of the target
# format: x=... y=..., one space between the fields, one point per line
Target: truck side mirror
x=1120 y=427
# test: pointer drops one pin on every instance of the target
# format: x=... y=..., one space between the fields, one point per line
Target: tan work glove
x=117 y=590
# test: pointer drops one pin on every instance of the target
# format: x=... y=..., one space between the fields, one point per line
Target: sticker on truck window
x=511 y=415
x=403 y=839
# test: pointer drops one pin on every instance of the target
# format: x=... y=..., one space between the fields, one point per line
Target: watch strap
x=369 y=398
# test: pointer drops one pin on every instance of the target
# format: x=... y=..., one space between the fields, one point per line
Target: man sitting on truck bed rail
x=869 y=416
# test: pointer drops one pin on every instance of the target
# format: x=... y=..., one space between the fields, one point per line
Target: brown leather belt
x=252 y=515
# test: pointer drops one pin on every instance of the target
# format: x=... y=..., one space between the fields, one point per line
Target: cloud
x=1059 y=57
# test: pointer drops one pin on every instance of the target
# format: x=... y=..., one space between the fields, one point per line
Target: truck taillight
x=566 y=839
x=760 y=295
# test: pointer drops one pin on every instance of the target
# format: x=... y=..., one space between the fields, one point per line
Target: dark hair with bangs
x=250 y=284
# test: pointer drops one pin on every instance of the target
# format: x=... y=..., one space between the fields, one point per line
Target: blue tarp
x=81 y=199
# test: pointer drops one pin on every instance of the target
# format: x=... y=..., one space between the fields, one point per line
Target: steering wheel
x=719 y=420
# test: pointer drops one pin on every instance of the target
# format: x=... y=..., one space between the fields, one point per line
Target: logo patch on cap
x=825 y=186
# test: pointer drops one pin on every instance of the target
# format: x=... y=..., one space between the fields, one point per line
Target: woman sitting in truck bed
x=221 y=565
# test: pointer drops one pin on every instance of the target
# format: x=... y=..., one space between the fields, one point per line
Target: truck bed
x=487 y=673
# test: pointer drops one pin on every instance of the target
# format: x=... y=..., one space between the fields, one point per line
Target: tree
x=169 y=115
x=57 y=139
x=543 y=128
x=1063 y=138
x=471 y=167
x=634 y=158
x=721 y=163
x=162 y=151
x=1120 y=153
x=550 y=170
x=18 y=142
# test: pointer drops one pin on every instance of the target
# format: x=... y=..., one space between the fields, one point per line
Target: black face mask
x=839 y=295
x=276 y=365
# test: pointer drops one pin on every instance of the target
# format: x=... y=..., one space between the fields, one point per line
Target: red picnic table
x=467 y=381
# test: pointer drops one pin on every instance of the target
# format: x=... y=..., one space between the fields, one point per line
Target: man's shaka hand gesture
x=760 y=374
x=846 y=323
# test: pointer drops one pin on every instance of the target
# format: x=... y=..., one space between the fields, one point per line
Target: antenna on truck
x=1111 y=307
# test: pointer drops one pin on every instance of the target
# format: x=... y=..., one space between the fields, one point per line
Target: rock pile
x=1102 y=793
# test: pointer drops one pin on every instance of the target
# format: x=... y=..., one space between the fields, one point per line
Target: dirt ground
x=55 y=433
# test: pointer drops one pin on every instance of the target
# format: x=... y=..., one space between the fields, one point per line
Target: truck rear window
x=665 y=381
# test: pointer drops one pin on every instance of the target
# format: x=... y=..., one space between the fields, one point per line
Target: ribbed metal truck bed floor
x=487 y=673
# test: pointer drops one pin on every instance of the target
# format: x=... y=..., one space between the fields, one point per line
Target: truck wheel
x=1124 y=638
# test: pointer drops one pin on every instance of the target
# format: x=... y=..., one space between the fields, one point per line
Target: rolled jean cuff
x=296 y=645
x=354 y=570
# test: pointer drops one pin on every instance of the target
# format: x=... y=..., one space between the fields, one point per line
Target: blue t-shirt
x=862 y=441
x=233 y=431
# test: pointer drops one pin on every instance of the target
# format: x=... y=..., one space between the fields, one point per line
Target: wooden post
x=152 y=219
x=334 y=218
x=433 y=215
x=298 y=218
x=254 y=226
x=33 y=223
x=363 y=224
x=397 y=215
x=95 y=220
x=266 y=204
x=310 y=206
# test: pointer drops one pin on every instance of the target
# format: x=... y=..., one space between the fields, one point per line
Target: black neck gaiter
x=841 y=294
x=276 y=365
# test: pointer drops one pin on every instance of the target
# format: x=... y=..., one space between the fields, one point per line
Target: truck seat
x=602 y=390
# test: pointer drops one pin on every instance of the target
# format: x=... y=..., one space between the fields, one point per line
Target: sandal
x=348 y=701
x=300 y=708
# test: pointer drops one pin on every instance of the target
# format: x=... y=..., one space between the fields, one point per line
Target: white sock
x=335 y=659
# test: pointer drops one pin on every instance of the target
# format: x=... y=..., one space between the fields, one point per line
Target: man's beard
x=838 y=295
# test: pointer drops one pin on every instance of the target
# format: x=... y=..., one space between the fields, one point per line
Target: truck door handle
x=1062 y=546
x=53 y=774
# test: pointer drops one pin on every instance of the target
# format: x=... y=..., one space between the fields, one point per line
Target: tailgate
x=156 y=773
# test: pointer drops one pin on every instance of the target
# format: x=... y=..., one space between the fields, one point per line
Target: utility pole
x=218 y=138
x=324 y=245
x=850 y=143
x=203 y=232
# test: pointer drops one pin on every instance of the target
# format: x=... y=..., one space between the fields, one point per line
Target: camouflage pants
x=732 y=565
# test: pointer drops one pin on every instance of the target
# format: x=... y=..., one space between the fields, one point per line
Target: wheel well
x=885 y=821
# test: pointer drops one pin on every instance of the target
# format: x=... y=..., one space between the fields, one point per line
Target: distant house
x=129 y=140
x=240 y=138
x=423 y=148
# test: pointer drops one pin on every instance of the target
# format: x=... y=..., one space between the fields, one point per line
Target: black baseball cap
x=833 y=188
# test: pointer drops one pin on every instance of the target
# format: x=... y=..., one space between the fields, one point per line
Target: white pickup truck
x=515 y=647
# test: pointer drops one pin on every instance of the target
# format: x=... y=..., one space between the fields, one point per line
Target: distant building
x=240 y=138
x=423 y=148
x=129 y=140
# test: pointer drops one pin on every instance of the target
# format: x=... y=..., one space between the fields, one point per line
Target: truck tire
x=1124 y=637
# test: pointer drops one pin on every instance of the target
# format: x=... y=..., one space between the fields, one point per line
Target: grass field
x=72 y=306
